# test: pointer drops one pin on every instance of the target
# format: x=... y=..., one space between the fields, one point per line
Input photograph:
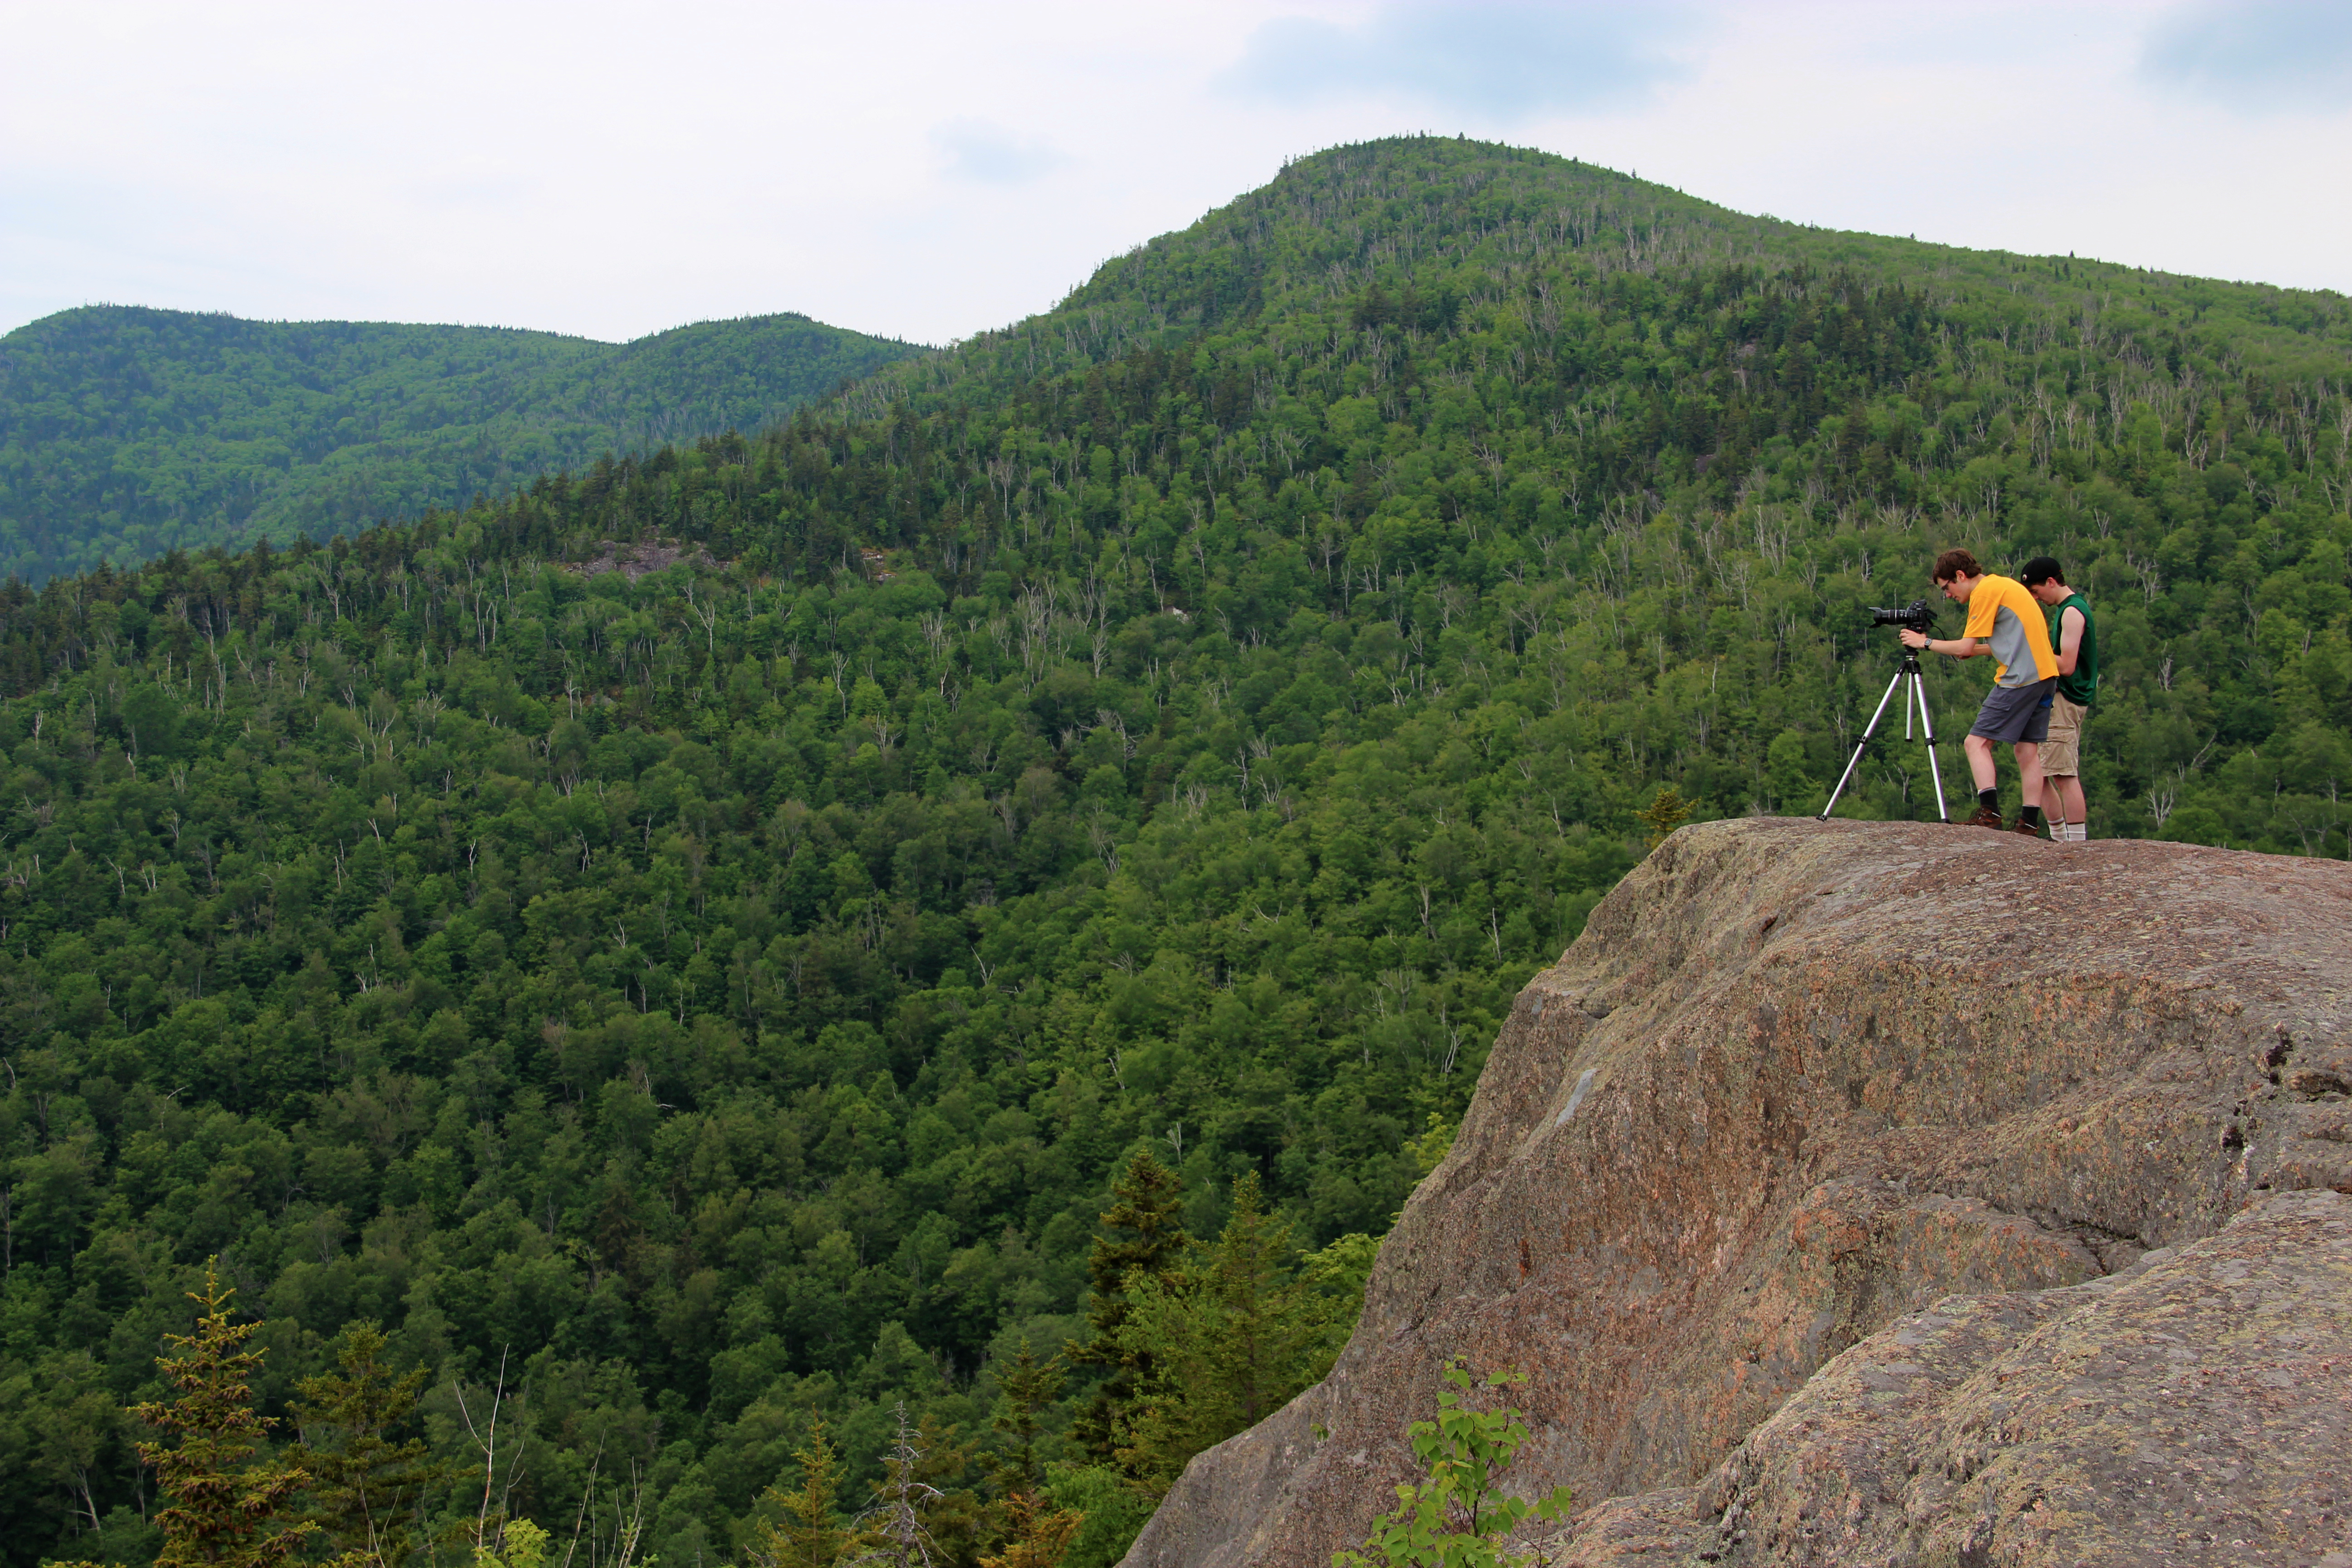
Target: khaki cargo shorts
x=2061 y=751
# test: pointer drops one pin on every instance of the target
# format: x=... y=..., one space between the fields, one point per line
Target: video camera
x=1914 y=615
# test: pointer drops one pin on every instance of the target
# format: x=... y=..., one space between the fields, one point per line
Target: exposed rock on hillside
x=633 y=560
x=1798 y=1083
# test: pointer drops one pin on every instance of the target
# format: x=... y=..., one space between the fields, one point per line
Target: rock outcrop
x=2020 y=1160
x=2196 y=1407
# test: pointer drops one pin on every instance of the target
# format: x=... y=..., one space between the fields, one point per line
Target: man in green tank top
x=2077 y=642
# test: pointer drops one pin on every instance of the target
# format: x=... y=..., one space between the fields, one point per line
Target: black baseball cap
x=2040 y=570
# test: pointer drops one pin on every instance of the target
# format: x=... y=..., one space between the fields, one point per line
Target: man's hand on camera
x=1913 y=639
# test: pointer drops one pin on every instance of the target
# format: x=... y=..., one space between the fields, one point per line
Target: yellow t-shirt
x=2002 y=612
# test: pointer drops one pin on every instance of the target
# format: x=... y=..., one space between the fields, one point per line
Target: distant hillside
x=125 y=432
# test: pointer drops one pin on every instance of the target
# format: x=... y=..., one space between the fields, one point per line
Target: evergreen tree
x=227 y=1509
x=1667 y=811
x=1035 y=1536
x=1219 y=1344
x=1142 y=1238
x=1263 y=1312
x=365 y=1483
x=1026 y=1389
x=803 y=1528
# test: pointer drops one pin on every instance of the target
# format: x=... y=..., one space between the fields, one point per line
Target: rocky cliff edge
x=1871 y=1193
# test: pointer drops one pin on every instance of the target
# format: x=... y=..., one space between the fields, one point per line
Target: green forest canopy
x=126 y=433
x=1181 y=721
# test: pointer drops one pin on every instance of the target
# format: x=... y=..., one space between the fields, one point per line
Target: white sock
x=2078 y=833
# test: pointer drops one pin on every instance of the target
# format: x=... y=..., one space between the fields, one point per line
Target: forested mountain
x=125 y=432
x=704 y=932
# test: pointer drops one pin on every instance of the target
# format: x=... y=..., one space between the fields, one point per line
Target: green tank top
x=2082 y=686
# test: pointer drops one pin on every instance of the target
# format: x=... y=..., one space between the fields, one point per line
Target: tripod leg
x=1927 y=724
x=1867 y=731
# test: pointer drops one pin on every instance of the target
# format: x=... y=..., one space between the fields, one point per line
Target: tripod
x=1914 y=691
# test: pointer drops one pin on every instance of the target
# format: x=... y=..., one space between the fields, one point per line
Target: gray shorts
x=2016 y=713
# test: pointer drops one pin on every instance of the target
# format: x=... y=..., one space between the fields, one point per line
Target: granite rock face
x=2196 y=1407
x=2072 y=1116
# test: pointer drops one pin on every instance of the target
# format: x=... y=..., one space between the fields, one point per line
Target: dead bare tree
x=895 y=1521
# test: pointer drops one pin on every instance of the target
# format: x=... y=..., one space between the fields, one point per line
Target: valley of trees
x=951 y=904
x=128 y=433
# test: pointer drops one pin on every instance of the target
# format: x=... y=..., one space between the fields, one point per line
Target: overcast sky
x=925 y=171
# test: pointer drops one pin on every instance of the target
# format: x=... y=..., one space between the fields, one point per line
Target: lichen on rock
x=1803 y=1089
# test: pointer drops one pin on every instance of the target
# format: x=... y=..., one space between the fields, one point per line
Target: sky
x=926 y=170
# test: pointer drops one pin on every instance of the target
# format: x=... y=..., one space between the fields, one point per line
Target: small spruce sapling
x=1035 y=1536
x=1460 y=1516
x=811 y=1534
x=1667 y=811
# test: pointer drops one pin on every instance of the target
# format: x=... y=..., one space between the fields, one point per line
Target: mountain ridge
x=127 y=431
x=1529 y=205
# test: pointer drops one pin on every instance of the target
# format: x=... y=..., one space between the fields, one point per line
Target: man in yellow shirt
x=2006 y=622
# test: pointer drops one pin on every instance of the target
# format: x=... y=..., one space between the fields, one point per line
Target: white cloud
x=981 y=151
x=1495 y=63
x=2262 y=56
